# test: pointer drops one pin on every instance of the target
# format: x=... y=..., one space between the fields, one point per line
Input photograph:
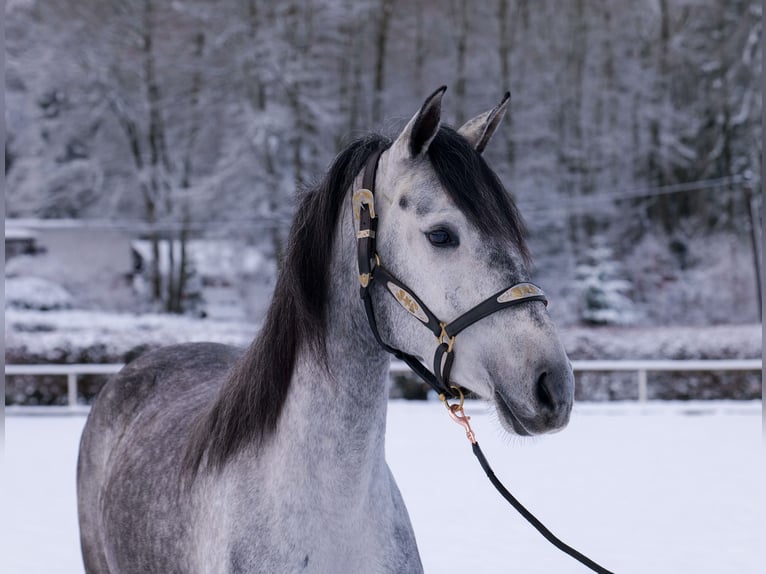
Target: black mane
x=249 y=404
x=251 y=400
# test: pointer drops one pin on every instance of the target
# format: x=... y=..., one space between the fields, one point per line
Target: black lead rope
x=549 y=536
x=458 y=415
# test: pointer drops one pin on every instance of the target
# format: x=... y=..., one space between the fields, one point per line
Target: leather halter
x=372 y=270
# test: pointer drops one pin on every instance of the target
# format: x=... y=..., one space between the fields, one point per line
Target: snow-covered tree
x=605 y=293
x=181 y=114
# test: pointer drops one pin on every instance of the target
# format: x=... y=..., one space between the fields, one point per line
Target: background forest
x=195 y=119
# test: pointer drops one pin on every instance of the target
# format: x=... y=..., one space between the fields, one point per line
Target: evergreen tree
x=605 y=294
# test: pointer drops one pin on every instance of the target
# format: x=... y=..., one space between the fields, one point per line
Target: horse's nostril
x=543 y=392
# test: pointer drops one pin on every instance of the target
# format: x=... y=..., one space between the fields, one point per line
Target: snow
x=65 y=334
x=35 y=293
x=668 y=342
x=661 y=488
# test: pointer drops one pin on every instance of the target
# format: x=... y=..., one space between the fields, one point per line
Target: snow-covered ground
x=659 y=488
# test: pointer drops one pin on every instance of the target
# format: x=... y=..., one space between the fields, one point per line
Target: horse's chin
x=508 y=419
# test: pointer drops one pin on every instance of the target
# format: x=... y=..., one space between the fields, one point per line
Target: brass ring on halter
x=459 y=392
x=445 y=399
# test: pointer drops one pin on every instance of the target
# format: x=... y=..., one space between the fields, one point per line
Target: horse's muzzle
x=548 y=409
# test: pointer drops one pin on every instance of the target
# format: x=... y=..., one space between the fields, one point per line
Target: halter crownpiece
x=371 y=269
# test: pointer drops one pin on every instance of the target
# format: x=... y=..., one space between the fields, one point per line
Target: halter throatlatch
x=371 y=270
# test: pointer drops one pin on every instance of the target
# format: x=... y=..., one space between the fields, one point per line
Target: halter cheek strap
x=371 y=270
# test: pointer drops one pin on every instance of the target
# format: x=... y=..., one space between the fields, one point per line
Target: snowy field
x=657 y=488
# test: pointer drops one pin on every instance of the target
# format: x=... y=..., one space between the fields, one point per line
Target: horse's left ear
x=422 y=128
x=478 y=131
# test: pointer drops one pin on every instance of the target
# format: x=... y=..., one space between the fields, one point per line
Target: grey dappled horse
x=203 y=458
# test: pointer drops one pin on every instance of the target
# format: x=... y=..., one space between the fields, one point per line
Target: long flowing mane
x=250 y=403
x=251 y=400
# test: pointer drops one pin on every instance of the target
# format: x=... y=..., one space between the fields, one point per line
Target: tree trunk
x=463 y=27
x=384 y=22
x=177 y=289
x=171 y=279
x=183 y=267
x=658 y=168
x=609 y=97
x=156 y=271
x=505 y=45
x=420 y=51
x=158 y=158
x=571 y=126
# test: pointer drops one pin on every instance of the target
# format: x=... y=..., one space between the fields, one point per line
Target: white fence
x=640 y=367
x=71 y=372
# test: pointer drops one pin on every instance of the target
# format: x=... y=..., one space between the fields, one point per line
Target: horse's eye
x=442 y=238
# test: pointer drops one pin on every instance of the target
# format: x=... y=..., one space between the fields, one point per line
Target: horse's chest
x=344 y=552
x=278 y=532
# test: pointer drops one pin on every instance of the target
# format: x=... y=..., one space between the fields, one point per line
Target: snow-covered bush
x=604 y=290
x=714 y=284
x=36 y=293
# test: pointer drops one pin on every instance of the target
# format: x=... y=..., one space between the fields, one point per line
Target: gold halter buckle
x=445 y=338
x=363 y=196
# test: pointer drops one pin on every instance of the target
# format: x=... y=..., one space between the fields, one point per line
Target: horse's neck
x=337 y=409
x=321 y=485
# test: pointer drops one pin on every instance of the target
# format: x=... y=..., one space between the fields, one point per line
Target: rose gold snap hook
x=458 y=415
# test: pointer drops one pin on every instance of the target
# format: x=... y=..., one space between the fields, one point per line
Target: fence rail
x=640 y=367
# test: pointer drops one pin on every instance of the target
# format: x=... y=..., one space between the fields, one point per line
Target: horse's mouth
x=507 y=418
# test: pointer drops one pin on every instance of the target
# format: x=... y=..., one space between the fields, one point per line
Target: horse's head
x=449 y=230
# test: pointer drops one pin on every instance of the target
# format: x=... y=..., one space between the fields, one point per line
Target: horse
x=204 y=458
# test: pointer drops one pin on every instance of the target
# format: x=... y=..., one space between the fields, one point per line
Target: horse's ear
x=478 y=131
x=421 y=129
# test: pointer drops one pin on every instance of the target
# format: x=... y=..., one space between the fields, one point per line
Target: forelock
x=475 y=189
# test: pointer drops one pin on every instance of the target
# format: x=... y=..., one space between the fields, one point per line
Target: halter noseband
x=371 y=270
